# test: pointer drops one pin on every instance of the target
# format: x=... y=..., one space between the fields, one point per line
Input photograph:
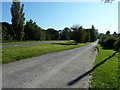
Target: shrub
x=117 y=44
x=108 y=43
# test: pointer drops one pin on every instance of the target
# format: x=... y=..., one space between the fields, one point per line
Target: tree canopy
x=18 y=20
x=19 y=30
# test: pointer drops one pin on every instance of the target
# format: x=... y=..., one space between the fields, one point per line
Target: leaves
x=18 y=20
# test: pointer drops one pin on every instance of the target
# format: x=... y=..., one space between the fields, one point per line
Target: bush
x=108 y=43
x=102 y=38
x=117 y=44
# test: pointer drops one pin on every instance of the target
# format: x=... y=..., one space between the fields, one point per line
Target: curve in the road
x=53 y=70
x=26 y=44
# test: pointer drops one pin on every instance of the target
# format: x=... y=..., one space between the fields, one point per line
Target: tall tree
x=33 y=31
x=18 y=20
x=65 y=34
x=82 y=35
x=88 y=37
x=93 y=33
x=75 y=34
x=78 y=34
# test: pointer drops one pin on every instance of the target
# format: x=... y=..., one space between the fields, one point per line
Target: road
x=26 y=44
x=55 y=70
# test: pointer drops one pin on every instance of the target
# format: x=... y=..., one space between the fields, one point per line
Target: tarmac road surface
x=55 y=70
x=26 y=44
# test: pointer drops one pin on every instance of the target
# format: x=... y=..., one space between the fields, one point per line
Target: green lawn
x=106 y=75
x=12 y=54
x=18 y=42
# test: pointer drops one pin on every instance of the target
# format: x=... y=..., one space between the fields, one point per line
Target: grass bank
x=106 y=75
x=22 y=42
x=11 y=54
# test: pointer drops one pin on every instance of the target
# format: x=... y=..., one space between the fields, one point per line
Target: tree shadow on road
x=88 y=72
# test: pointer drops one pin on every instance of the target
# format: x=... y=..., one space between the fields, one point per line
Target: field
x=11 y=54
x=106 y=75
x=23 y=42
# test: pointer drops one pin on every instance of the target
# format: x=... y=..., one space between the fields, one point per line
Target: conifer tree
x=18 y=20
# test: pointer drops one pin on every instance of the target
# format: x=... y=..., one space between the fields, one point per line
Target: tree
x=7 y=32
x=75 y=35
x=117 y=44
x=29 y=30
x=108 y=32
x=108 y=42
x=93 y=33
x=33 y=31
x=65 y=34
x=88 y=37
x=118 y=35
x=115 y=34
x=18 y=20
x=59 y=34
x=79 y=34
x=54 y=34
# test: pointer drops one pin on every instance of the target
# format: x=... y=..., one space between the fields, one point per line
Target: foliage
x=115 y=34
x=108 y=32
x=107 y=74
x=33 y=31
x=108 y=43
x=7 y=32
x=80 y=34
x=93 y=33
x=65 y=34
x=117 y=44
x=18 y=20
x=53 y=34
x=88 y=36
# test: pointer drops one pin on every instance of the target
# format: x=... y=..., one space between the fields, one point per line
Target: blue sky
x=59 y=15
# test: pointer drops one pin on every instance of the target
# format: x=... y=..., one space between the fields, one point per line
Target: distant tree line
x=110 y=41
x=82 y=35
x=19 y=30
x=33 y=32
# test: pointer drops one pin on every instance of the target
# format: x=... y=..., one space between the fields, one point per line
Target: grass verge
x=11 y=54
x=107 y=74
x=18 y=42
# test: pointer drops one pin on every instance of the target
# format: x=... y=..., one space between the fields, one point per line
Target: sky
x=59 y=15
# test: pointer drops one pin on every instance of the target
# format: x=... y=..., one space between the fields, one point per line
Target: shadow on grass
x=88 y=72
x=65 y=43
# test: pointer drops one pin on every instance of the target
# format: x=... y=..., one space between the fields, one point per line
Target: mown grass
x=107 y=74
x=22 y=42
x=12 y=54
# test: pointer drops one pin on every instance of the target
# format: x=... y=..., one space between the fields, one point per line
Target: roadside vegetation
x=106 y=75
x=24 y=42
x=110 y=41
x=17 y=42
x=23 y=32
x=11 y=54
